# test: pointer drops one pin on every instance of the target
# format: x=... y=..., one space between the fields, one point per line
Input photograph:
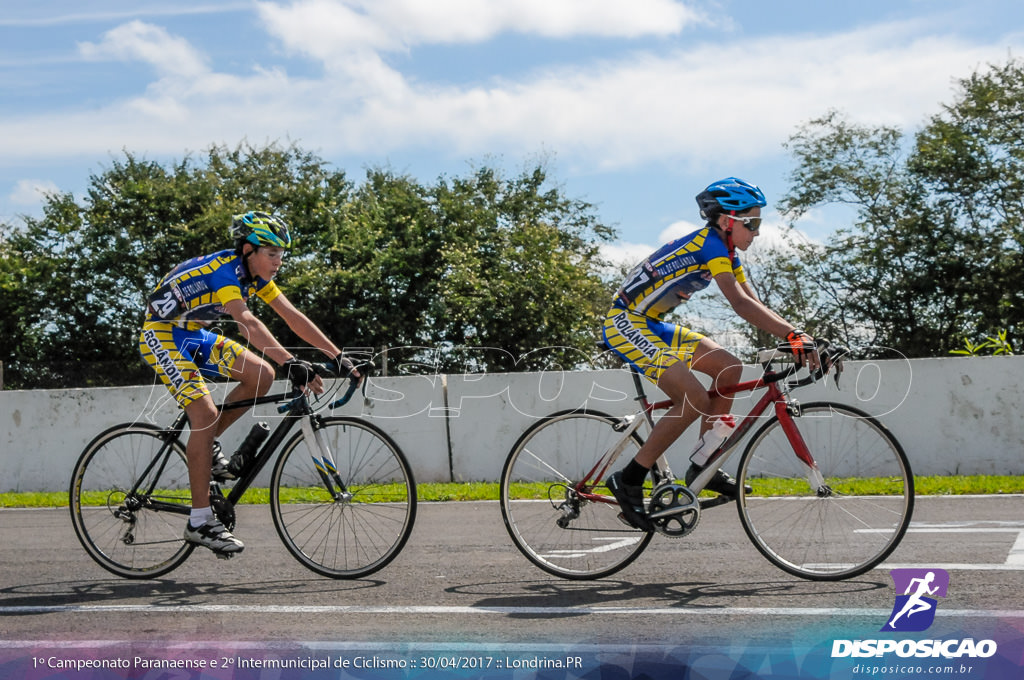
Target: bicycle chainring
x=674 y=510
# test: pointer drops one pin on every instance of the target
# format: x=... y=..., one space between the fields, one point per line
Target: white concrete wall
x=953 y=416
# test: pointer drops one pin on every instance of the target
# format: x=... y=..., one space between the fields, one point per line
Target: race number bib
x=637 y=281
x=167 y=302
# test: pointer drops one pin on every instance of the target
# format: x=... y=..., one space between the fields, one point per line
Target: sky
x=633 y=105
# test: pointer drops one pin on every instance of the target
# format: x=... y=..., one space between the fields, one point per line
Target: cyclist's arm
x=258 y=335
x=745 y=303
x=302 y=326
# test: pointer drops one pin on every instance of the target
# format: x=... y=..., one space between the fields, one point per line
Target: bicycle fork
x=320 y=452
x=786 y=412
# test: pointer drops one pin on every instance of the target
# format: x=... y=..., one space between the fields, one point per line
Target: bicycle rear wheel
x=345 y=531
x=556 y=528
x=837 y=524
x=134 y=534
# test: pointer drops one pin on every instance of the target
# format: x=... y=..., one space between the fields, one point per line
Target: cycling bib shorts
x=647 y=343
x=182 y=357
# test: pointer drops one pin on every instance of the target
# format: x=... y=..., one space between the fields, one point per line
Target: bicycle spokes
x=554 y=503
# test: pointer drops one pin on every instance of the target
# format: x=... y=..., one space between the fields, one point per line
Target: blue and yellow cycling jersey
x=675 y=272
x=194 y=293
x=174 y=340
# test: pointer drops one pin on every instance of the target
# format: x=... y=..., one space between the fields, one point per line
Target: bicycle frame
x=824 y=524
x=774 y=394
x=294 y=410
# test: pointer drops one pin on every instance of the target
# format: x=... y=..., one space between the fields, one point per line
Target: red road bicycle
x=831 y=491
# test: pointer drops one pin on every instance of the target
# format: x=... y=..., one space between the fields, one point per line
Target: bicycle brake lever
x=364 y=369
x=839 y=370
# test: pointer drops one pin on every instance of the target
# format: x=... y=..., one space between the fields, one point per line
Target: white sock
x=199 y=516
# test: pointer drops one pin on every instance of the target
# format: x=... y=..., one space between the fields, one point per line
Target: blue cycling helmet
x=729 y=195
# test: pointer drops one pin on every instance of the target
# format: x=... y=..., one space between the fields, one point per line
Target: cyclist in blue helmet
x=178 y=344
x=668 y=354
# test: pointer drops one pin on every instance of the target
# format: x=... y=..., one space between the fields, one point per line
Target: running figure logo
x=914 y=610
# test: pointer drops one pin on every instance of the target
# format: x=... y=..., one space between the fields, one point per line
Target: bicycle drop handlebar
x=364 y=369
x=328 y=371
x=829 y=354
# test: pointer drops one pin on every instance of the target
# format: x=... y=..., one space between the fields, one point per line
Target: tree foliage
x=935 y=250
x=481 y=261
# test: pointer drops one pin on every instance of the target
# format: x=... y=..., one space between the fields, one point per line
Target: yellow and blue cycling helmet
x=260 y=229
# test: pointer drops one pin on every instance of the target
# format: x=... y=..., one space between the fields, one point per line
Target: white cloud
x=625 y=254
x=30 y=192
x=38 y=15
x=773 y=236
x=138 y=41
x=682 y=106
x=333 y=29
x=677 y=230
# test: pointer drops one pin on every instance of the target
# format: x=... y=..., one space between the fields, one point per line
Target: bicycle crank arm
x=706 y=503
x=670 y=512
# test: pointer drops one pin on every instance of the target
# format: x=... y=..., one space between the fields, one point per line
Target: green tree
x=476 y=262
x=935 y=250
x=520 y=272
x=88 y=265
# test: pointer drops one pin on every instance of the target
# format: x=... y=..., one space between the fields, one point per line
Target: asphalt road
x=460 y=578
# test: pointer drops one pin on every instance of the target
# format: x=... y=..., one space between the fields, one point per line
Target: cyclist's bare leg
x=203 y=527
x=724 y=369
x=690 y=400
x=255 y=378
x=202 y=418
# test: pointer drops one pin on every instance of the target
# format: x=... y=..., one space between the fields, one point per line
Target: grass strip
x=488 y=491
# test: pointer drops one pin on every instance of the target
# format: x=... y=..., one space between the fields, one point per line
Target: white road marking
x=1014 y=558
x=611 y=544
x=502 y=611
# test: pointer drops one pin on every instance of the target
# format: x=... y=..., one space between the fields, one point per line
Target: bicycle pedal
x=224 y=555
x=622 y=518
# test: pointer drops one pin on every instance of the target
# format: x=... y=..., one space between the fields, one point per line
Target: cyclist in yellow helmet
x=177 y=344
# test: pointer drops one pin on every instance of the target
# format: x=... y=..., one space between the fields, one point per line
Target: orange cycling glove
x=800 y=344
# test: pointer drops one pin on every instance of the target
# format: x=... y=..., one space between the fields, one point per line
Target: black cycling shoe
x=722 y=482
x=631 y=500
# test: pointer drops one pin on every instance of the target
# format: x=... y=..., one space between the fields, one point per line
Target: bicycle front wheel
x=130 y=499
x=349 y=518
x=556 y=507
x=839 y=520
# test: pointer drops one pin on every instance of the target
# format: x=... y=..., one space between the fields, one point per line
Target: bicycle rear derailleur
x=674 y=510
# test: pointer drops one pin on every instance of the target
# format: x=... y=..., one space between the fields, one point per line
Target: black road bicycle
x=341 y=492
